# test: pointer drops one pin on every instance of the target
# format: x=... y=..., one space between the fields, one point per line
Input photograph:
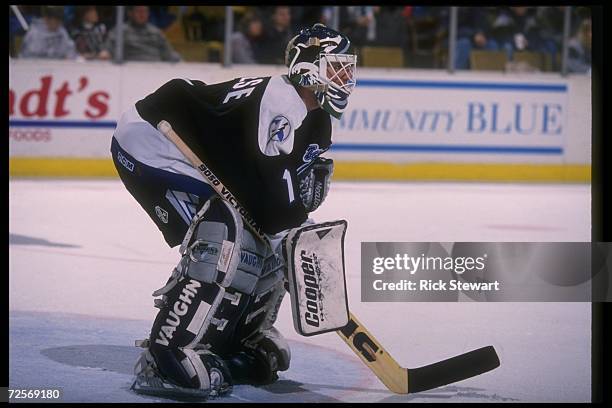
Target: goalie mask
x=318 y=60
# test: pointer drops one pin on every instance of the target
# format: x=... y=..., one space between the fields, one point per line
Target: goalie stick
x=396 y=378
x=410 y=380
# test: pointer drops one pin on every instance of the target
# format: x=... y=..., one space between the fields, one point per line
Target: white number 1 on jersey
x=287 y=178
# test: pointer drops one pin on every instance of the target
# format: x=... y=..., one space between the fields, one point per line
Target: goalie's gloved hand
x=315 y=182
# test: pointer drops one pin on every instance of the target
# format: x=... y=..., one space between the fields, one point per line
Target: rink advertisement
x=486 y=271
x=59 y=110
x=398 y=125
x=474 y=119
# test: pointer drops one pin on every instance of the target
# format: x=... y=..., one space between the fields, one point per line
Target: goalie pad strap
x=222 y=251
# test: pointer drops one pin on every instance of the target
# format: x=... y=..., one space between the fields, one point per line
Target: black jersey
x=253 y=133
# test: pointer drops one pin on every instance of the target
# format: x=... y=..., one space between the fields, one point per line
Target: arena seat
x=200 y=51
x=385 y=57
x=483 y=60
x=534 y=59
x=191 y=51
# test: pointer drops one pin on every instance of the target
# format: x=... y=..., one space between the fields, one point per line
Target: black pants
x=170 y=199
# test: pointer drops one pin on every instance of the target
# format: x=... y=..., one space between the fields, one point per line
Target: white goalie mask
x=318 y=59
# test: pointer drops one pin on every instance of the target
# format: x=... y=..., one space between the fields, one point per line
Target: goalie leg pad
x=221 y=250
x=264 y=351
x=261 y=313
x=204 y=304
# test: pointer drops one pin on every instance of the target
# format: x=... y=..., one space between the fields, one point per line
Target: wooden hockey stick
x=410 y=380
x=396 y=378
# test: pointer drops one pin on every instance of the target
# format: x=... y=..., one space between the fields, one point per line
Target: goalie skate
x=149 y=381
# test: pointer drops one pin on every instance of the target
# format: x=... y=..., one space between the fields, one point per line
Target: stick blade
x=454 y=369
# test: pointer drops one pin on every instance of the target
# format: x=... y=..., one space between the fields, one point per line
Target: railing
x=333 y=22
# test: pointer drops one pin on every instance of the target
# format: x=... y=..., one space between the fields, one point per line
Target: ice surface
x=84 y=259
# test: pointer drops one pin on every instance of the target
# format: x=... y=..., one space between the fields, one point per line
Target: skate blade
x=171 y=391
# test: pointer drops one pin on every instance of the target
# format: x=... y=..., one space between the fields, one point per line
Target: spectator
x=246 y=42
x=161 y=17
x=579 y=49
x=16 y=29
x=47 y=37
x=277 y=35
x=142 y=41
x=474 y=31
x=69 y=14
x=391 y=27
x=327 y=15
x=358 y=23
x=108 y=15
x=88 y=33
x=427 y=35
x=550 y=21
x=306 y=16
x=517 y=29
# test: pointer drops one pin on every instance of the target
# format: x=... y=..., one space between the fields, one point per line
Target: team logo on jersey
x=279 y=129
x=162 y=214
x=312 y=152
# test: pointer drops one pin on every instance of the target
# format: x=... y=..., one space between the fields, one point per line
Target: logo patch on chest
x=279 y=130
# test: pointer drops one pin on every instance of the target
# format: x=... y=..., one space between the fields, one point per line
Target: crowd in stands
x=261 y=33
x=86 y=36
x=511 y=29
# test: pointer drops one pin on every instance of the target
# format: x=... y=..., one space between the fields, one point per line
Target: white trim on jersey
x=280 y=113
x=149 y=146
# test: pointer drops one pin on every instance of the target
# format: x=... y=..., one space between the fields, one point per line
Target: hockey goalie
x=262 y=139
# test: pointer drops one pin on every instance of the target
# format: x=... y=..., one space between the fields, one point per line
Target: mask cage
x=338 y=71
